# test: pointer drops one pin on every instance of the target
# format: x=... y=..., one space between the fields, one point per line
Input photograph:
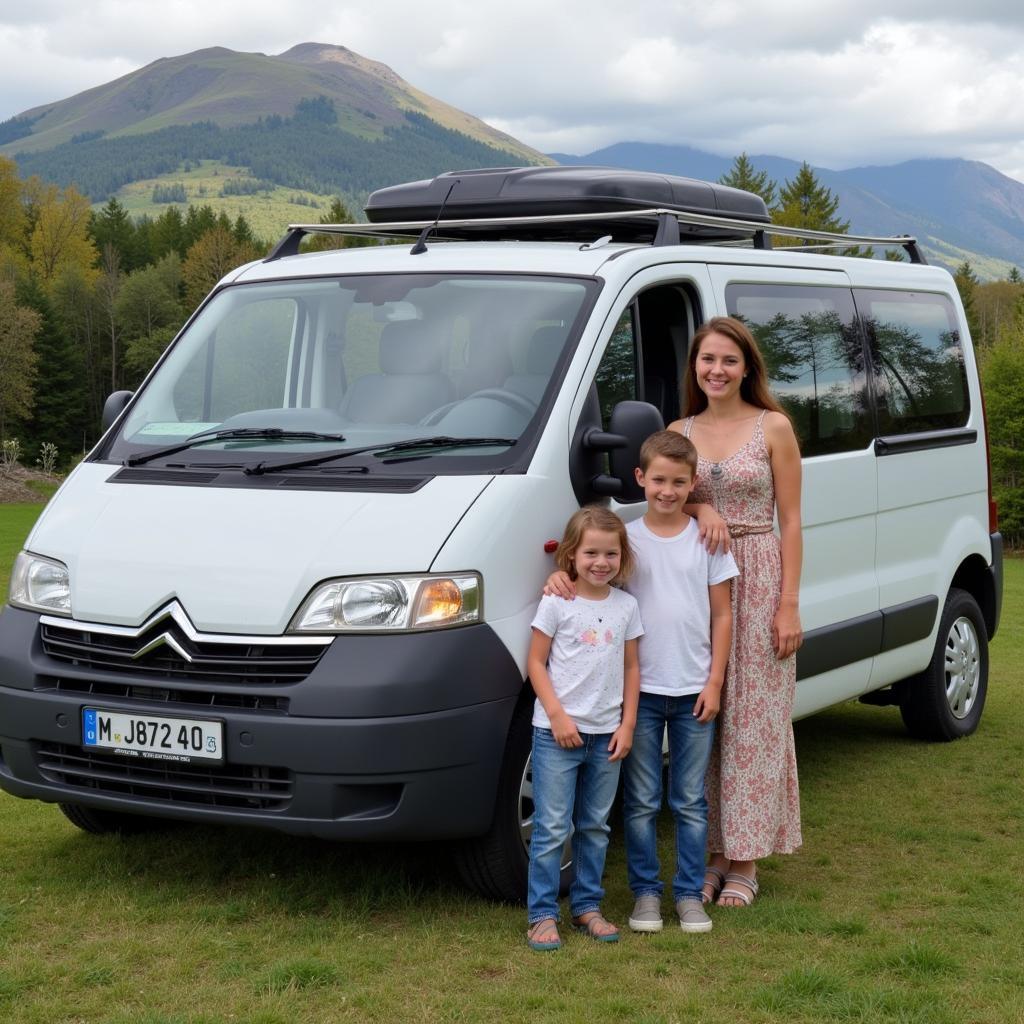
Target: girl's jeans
x=570 y=788
x=689 y=748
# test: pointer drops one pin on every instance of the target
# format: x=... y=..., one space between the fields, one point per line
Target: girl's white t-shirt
x=670 y=583
x=587 y=659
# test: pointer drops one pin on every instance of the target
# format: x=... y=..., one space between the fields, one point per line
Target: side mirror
x=631 y=423
x=635 y=422
x=114 y=406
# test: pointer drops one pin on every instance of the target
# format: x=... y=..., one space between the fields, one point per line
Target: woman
x=749 y=470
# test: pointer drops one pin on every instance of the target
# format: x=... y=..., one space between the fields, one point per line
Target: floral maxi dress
x=753 y=795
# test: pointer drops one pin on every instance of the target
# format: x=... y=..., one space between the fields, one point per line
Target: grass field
x=269 y=212
x=903 y=906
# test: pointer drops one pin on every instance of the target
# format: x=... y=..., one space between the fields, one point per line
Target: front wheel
x=945 y=701
x=496 y=864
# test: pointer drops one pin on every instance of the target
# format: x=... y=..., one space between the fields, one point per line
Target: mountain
x=958 y=209
x=228 y=89
x=317 y=118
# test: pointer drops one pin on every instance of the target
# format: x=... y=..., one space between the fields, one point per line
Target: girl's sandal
x=714 y=880
x=543 y=936
x=592 y=926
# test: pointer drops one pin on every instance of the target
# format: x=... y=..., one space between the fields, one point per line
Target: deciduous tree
x=18 y=328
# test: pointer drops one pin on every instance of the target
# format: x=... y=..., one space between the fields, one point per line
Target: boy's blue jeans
x=563 y=780
x=689 y=748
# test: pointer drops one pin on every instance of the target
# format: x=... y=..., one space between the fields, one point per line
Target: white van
x=292 y=585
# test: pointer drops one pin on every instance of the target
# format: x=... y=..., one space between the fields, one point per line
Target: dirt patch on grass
x=14 y=485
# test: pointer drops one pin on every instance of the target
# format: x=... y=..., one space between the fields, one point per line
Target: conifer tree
x=743 y=176
x=114 y=227
x=1014 y=276
x=804 y=202
x=966 y=284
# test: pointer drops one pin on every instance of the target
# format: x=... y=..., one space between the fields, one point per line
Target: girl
x=749 y=470
x=584 y=670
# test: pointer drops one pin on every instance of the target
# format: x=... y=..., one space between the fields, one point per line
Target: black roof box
x=501 y=192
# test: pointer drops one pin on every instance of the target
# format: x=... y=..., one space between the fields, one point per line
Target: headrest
x=485 y=352
x=409 y=346
x=545 y=348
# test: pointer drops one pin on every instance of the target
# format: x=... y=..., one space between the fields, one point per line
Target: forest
x=89 y=299
x=306 y=151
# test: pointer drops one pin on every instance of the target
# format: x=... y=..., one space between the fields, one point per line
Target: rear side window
x=815 y=358
x=918 y=360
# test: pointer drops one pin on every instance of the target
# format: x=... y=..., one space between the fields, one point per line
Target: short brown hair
x=670 y=444
x=593 y=517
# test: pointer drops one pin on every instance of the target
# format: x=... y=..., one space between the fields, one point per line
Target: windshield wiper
x=382 y=451
x=232 y=434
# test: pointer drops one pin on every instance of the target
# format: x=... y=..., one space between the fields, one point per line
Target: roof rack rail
x=663 y=230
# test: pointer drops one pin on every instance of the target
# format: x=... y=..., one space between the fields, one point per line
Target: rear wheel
x=101 y=822
x=496 y=864
x=946 y=700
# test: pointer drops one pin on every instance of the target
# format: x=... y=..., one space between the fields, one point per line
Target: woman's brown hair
x=753 y=387
x=594 y=517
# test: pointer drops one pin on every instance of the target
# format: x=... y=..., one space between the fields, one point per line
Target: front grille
x=244 y=787
x=196 y=698
x=247 y=664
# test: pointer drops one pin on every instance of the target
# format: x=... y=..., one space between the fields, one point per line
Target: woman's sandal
x=543 y=936
x=714 y=880
x=736 y=894
x=591 y=925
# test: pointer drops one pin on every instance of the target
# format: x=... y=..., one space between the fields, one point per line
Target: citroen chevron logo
x=163 y=640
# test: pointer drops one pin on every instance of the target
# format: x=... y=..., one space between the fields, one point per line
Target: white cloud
x=824 y=80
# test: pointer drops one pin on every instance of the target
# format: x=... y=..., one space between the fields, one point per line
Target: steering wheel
x=511 y=398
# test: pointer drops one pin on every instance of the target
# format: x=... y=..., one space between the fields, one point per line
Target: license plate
x=150 y=736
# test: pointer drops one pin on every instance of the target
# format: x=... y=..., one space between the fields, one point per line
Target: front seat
x=410 y=384
x=541 y=355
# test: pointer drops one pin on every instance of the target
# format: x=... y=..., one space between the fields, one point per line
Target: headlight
x=40 y=584
x=392 y=604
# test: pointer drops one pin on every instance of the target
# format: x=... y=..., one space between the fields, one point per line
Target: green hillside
x=316 y=121
x=269 y=210
x=229 y=89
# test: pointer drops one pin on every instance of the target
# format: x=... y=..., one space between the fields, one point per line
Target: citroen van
x=292 y=585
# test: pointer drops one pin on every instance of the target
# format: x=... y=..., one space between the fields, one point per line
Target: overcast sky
x=837 y=83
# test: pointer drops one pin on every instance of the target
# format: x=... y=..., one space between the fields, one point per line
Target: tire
x=946 y=700
x=100 y=822
x=496 y=864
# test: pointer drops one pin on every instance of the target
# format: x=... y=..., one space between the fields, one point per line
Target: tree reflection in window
x=920 y=377
x=815 y=360
x=616 y=376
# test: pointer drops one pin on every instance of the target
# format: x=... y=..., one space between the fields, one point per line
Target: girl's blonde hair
x=594 y=517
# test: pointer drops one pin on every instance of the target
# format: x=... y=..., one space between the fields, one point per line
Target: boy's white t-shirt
x=587 y=659
x=671 y=583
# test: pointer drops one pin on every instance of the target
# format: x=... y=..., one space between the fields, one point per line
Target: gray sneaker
x=646 y=916
x=692 y=916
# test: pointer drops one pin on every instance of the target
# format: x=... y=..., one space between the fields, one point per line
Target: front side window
x=359 y=362
x=616 y=377
x=918 y=359
x=815 y=359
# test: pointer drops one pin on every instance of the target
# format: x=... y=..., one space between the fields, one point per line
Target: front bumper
x=397 y=737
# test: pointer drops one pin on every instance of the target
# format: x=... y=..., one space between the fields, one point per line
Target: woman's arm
x=784 y=452
x=712 y=527
x=563 y=728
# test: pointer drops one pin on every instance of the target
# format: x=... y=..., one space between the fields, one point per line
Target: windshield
x=279 y=371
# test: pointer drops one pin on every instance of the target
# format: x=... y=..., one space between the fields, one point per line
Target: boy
x=684 y=597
